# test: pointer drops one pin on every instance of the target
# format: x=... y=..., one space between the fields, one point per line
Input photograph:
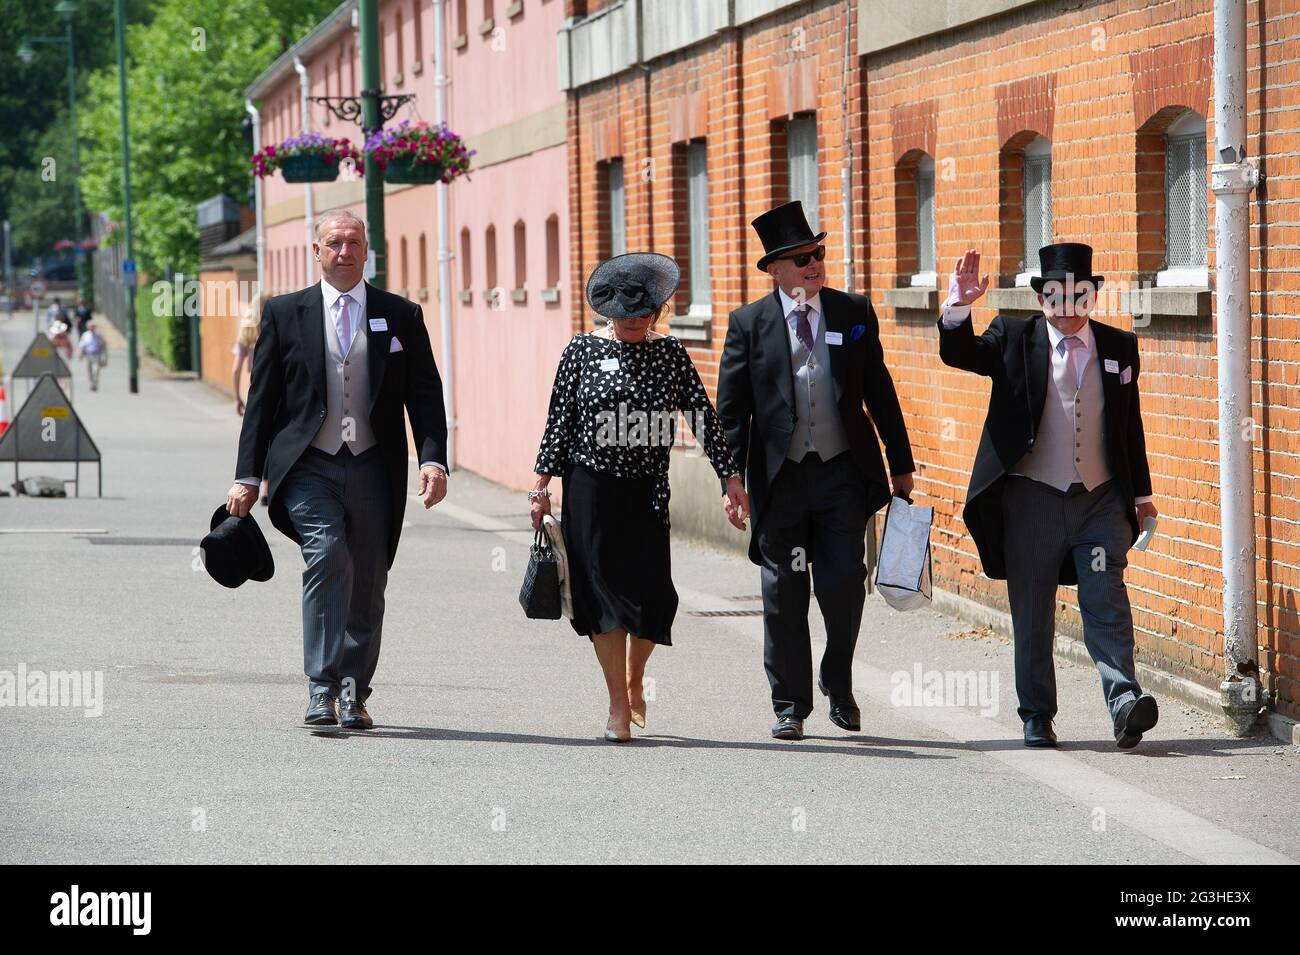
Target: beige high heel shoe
x=638 y=716
x=613 y=735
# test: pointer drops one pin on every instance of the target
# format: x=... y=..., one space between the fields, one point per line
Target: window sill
x=1022 y=278
x=550 y=295
x=1183 y=278
x=916 y=299
x=925 y=280
x=398 y=78
x=460 y=42
x=466 y=296
x=486 y=27
x=515 y=9
x=422 y=294
x=1169 y=301
x=417 y=68
x=1021 y=298
x=694 y=325
x=519 y=295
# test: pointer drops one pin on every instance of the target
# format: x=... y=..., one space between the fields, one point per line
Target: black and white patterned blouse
x=614 y=409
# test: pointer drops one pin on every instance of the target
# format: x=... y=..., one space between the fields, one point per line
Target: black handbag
x=540 y=594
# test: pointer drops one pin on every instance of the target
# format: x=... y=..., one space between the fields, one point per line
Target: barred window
x=1037 y=186
x=617 y=209
x=925 y=214
x=1186 y=208
x=697 y=217
x=801 y=156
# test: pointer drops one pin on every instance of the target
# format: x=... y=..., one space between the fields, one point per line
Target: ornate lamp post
x=373 y=109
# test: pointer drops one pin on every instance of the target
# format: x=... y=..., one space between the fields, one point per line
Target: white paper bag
x=903 y=567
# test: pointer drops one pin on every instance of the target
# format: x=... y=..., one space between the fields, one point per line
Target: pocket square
x=1126 y=375
x=857 y=332
x=394 y=345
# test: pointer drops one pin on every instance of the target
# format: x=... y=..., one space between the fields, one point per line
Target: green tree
x=186 y=73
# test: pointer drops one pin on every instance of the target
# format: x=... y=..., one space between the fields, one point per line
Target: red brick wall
x=1100 y=82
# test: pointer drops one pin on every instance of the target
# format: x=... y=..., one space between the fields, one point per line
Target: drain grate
x=726 y=613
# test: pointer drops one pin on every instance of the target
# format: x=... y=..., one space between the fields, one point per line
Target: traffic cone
x=4 y=411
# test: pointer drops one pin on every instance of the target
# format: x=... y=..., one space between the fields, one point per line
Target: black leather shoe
x=788 y=727
x=1039 y=734
x=844 y=710
x=353 y=715
x=1135 y=718
x=322 y=711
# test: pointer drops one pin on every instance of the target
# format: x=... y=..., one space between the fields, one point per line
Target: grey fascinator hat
x=632 y=285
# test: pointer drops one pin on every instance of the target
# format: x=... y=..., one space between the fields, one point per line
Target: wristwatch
x=535 y=494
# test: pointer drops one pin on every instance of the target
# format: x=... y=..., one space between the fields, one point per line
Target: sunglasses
x=803 y=258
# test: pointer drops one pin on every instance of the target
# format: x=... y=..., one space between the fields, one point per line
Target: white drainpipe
x=444 y=252
x=257 y=198
x=304 y=84
x=1233 y=177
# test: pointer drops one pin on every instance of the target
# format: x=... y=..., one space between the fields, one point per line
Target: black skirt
x=620 y=569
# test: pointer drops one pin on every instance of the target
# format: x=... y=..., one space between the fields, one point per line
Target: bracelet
x=544 y=492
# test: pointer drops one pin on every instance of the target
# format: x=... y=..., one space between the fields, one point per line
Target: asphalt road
x=487 y=746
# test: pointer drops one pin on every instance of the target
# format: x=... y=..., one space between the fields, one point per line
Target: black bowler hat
x=235 y=550
x=632 y=285
x=782 y=229
x=1065 y=262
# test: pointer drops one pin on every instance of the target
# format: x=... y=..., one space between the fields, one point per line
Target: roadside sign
x=38 y=288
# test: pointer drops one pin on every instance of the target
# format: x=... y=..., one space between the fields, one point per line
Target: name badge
x=834 y=338
x=609 y=364
x=379 y=324
x=1112 y=365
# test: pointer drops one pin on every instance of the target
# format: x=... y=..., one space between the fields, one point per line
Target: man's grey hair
x=334 y=215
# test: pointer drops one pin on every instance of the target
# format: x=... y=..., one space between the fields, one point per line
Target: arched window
x=521 y=259
x=552 y=251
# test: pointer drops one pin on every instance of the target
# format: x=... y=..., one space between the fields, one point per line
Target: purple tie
x=803 y=328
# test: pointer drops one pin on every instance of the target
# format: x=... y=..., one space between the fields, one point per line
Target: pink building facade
x=508 y=220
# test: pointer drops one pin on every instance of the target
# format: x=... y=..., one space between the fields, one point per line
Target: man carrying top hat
x=335 y=366
x=797 y=368
x=1061 y=483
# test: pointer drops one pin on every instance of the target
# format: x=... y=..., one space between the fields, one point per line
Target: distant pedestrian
x=60 y=339
x=92 y=347
x=82 y=315
x=245 y=342
x=55 y=314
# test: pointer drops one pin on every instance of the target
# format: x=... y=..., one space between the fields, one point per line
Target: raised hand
x=965 y=286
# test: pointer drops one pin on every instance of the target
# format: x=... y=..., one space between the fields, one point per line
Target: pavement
x=488 y=742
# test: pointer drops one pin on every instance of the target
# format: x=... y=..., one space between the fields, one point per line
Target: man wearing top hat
x=335 y=366
x=1060 y=485
x=797 y=368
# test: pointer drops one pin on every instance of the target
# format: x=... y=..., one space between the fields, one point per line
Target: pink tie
x=1072 y=346
x=345 y=323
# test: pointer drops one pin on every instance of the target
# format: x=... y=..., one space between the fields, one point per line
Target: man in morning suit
x=797 y=367
x=1060 y=484
x=334 y=366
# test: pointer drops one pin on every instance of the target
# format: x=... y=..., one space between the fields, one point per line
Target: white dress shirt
x=954 y=315
x=330 y=296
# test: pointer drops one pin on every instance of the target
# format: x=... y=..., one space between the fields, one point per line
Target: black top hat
x=1069 y=262
x=782 y=229
x=235 y=550
x=633 y=284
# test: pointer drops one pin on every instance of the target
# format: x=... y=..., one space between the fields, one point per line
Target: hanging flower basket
x=418 y=153
x=310 y=158
x=408 y=169
x=308 y=167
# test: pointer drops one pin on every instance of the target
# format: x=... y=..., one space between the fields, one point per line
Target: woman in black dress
x=611 y=426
